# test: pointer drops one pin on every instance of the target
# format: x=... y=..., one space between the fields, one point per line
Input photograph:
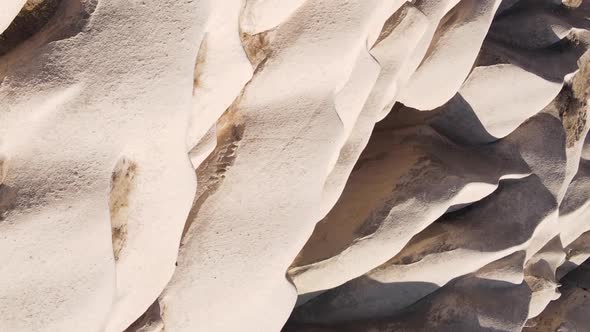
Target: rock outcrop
x=294 y=165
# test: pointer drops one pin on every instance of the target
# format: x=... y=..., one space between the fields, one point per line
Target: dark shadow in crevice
x=455 y=120
x=578 y=277
x=150 y=319
x=458 y=122
x=39 y=23
x=456 y=307
x=30 y=20
x=402 y=116
x=8 y=196
x=369 y=305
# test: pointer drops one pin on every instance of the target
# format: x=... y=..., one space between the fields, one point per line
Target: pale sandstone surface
x=294 y=165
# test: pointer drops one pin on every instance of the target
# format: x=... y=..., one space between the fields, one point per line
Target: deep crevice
x=34 y=15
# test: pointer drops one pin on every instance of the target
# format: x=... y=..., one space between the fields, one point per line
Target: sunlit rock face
x=294 y=165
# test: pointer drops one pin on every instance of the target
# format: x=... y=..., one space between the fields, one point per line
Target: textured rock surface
x=294 y=165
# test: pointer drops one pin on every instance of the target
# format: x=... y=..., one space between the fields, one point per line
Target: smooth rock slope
x=294 y=165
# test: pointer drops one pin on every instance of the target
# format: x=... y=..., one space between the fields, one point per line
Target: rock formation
x=294 y=165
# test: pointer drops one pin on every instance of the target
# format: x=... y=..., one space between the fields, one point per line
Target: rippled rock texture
x=294 y=165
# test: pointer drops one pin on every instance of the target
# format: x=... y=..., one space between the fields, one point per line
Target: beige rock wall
x=294 y=165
